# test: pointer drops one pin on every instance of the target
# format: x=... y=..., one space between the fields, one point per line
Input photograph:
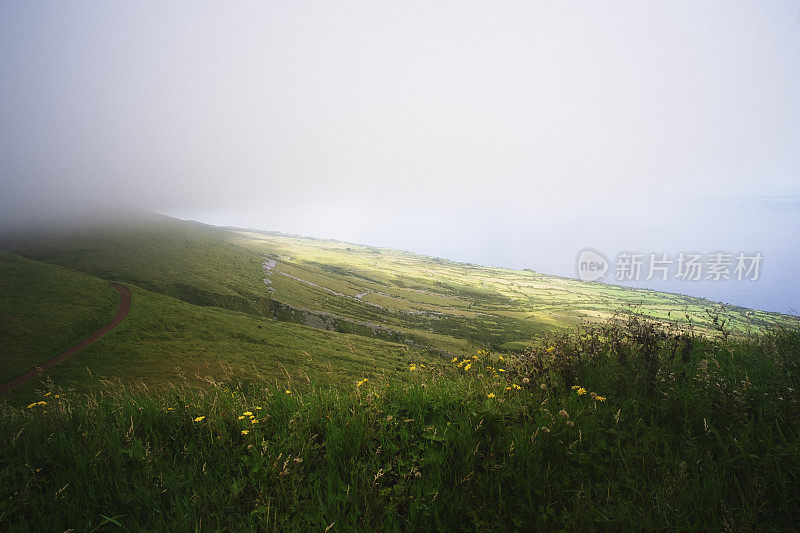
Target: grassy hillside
x=625 y=427
x=166 y=341
x=311 y=401
x=388 y=294
x=45 y=309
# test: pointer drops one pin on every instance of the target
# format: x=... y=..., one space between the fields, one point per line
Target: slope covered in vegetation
x=624 y=426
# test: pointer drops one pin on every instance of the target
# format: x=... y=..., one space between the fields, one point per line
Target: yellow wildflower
x=288 y=391
x=576 y=387
x=245 y=432
x=247 y=413
x=490 y=395
x=551 y=349
x=41 y=403
x=581 y=391
x=600 y=398
x=468 y=366
x=501 y=369
x=454 y=359
x=474 y=356
x=31 y=406
x=199 y=419
x=241 y=417
x=255 y=421
x=500 y=358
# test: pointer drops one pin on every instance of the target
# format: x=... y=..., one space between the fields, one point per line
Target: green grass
x=694 y=434
x=697 y=431
x=433 y=302
x=164 y=341
x=45 y=309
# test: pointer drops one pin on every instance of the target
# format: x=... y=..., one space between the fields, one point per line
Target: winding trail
x=122 y=312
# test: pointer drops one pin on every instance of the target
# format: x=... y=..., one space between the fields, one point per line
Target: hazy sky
x=502 y=133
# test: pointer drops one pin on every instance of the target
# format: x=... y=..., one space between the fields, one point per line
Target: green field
x=425 y=302
x=390 y=390
x=615 y=428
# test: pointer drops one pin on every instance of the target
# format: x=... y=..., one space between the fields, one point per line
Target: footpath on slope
x=122 y=312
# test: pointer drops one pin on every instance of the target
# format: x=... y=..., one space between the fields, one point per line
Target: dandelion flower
x=581 y=391
x=500 y=358
x=254 y=421
x=247 y=413
x=576 y=387
x=288 y=391
x=468 y=366
x=490 y=395
x=600 y=398
x=454 y=359
x=474 y=356
x=241 y=417
x=501 y=369
x=245 y=432
x=508 y=388
x=199 y=419
x=41 y=403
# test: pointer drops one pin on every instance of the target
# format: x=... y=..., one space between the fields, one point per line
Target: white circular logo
x=591 y=265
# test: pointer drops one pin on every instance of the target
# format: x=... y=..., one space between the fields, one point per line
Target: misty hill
x=375 y=292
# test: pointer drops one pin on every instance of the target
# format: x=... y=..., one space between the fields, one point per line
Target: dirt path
x=122 y=312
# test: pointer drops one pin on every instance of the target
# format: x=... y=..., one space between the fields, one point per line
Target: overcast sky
x=502 y=133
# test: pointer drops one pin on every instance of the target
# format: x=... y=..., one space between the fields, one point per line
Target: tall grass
x=624 y=426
